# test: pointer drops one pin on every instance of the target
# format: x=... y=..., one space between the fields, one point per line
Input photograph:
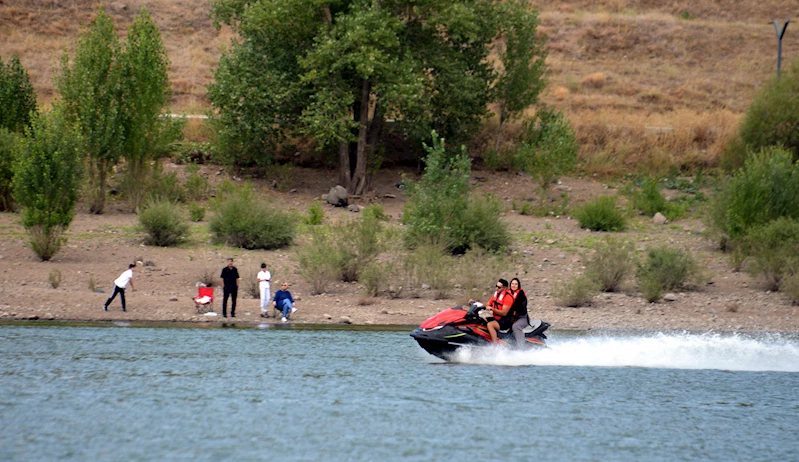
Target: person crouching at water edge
x=284 y=301
x=119 y=287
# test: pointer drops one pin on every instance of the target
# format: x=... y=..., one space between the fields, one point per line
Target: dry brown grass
x=646 y=83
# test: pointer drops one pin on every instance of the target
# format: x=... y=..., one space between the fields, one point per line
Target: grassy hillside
x=647 y=83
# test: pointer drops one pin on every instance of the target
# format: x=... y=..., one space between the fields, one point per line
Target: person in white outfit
x=119 y=287
x=264 y=277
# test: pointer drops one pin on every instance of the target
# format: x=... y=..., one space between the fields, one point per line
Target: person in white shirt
x=119 y=286
x=264 y=277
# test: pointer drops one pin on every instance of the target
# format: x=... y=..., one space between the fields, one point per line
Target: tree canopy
x=336 y=71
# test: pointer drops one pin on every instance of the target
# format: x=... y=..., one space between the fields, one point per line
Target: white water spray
x=668 y=351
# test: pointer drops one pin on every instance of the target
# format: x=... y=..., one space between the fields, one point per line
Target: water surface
x=116 y=393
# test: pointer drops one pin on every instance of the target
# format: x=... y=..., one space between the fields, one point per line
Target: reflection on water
x=104 y=393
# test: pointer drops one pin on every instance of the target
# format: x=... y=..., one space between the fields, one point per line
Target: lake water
x=281 y=393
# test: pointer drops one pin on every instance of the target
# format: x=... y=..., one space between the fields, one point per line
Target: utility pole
x=780 y=35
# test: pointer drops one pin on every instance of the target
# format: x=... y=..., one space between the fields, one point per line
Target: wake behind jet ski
x=454 y=328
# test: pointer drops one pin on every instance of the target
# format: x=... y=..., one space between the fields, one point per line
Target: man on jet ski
x=500 y=303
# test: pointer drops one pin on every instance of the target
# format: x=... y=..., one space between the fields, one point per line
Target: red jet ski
x=446 y=332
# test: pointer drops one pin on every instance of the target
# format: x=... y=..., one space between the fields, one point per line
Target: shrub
x=55 y=278
x=773 y=250
x=375 y=211
x=790 y=287
x=243 y=220
x=166 y=187
x=772 y=118
x=480 y=226
x=10 y=146
x=45 y=185
x=318 y=266
x=196 y=212
x=651 y=289
x=650 y=201
x=548 y=147
x=667 y=269
x=600 y=214
x=610 y=265
x=429 y=264
x=765 y=189
x=208 y=276
x=164 y=222
x=375 y=277
x=477 y=272
x=357 y=244
x=196 y=184
x=579 y=291
x=17 y=97
x=316 y=214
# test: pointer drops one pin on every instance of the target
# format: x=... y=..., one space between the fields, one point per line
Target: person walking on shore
x=264 y=277
x=230 y=287
x=119 y=287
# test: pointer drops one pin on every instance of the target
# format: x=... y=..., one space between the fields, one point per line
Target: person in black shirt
x=230 y=287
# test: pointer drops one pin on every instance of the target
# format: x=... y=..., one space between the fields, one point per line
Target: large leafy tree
x=91 y=92
x=337 y=70
x=145 y=94
x=46 y=178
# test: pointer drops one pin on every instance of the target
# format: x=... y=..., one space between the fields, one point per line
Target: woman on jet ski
x=518 y=311
x=500 y=303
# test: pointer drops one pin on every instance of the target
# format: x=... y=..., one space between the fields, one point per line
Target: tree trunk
x=499 y=132
x=98 y=199
x=344 y=172
x=358 y=185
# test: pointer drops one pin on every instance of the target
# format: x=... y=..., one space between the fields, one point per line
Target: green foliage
x=45 y=185
x=429 y=264
x=521 y=78
x=790 y=287
x=440 y=210
x=196 y=212
x=773 y=117
x=166 y=186
x=601 y=214
x=579 y=291
x=91 y=94
x=10 y=146
x=196 y=186
x=665 y=269
x=17 y=98
x=144 y=96
x=164 y=223
x=335 y=72
x=316 y=215
x=357 y=244
x=765 y=189
x=773 y=250
x=376 y=212
x=649 y=201
x=547 y=149
x=318 y=266
x=243 y=220
x=611 y=264
x=477 y=272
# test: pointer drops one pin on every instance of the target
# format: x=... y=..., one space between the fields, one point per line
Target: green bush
x=477 y=272
x=164 y=222
x=196 y=186
x=376 y=277
x=17 y=97
x=316 y=214
x=651 y=289
x=318 y=266
x=375 y=211
x=196 y=212
x=480 y=226
x=10 y=146
x=650 y=201
x=790 y=287
x=601 y=214
x=772 y=118
x=766 y=188
x=357 y=244
x=611 y=264
x=548 y=147
x=166 y=187
x=46 y=178
x=431 y=265
x=243 y=220
x=773 y=250
x=666 y=268
x=580 y=291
